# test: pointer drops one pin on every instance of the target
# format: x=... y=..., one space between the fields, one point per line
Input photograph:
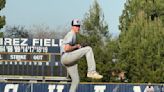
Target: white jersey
x=70 y=39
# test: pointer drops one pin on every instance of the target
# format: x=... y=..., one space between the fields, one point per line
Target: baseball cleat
x=94 y=75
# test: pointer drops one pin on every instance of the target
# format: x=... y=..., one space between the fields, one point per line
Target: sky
x=54 y=13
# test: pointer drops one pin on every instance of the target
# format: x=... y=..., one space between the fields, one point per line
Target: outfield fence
x=83 y=87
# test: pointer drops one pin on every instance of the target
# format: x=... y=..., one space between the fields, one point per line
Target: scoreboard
x=31 y=56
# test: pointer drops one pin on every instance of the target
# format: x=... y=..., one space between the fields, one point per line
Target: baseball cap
x=76 y=22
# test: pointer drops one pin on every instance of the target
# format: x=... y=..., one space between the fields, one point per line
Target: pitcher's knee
x=88 y=47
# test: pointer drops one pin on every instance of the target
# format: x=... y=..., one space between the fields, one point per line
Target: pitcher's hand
x=78 y=46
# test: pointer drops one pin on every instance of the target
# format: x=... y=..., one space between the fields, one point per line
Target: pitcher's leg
x=73 y=72
x=72 y=57
x=90 y=59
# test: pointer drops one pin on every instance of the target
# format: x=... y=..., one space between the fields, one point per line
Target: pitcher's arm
x=69 y=48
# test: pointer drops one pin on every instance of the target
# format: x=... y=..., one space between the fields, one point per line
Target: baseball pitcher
x=72 y=52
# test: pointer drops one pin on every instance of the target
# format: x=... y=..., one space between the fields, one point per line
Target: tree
x=43 y=31
x=152 y=8
x=2 y=18
x=95 y=34
x=16 y=31
x=141 y=40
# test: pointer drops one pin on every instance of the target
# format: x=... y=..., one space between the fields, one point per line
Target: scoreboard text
x=24 y=49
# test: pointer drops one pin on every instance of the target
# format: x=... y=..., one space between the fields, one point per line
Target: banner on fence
x=44 y=87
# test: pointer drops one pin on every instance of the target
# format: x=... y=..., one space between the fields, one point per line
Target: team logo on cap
x=76 y=22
